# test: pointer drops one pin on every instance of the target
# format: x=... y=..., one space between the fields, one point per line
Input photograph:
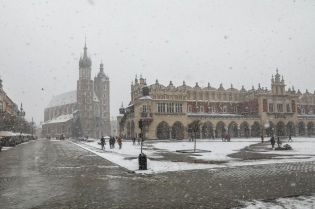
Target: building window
x=303 y=111
x=178 y=108
x=168 y=107
x=235 y=109
x=271 y=107
x=288 y=108
x=213 y=109
x=189 y=108
x=144 y=108
x=224 y=109
x=201 y=109
x=280 y=107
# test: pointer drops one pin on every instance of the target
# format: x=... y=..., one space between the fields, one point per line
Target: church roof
x=63 y=99
x=60 y=119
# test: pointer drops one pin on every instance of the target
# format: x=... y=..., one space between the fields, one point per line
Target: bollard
x=142 y=159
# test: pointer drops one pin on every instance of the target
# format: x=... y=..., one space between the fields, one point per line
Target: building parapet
x=220 y=115
x=306 y=116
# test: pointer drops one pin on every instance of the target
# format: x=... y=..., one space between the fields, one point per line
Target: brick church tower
x=101 y=88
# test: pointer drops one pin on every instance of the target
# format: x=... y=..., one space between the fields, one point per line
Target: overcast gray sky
x=236 y=41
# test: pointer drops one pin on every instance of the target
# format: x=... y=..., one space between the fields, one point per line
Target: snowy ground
x=301 y=146
x=218 y=157
x=302 y=202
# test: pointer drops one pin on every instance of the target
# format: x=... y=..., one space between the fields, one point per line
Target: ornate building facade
x=83 y=112
x=171 y=112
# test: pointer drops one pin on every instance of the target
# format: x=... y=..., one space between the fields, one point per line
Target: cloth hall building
x=171 y=112
x=83 y=112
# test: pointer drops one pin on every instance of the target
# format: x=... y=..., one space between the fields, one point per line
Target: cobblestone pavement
x=58 y=174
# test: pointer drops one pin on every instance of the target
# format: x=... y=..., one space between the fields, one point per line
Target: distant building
x=206 y=112
x=113 y=123
x=8 y=111
x=6 y=104
x=83 y=112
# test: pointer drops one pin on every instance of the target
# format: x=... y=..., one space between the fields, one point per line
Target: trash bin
x=142 y=161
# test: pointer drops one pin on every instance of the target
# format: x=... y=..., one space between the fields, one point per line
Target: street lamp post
x=142 y=159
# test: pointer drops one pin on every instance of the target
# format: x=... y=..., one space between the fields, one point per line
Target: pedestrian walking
x=103 y=142
x=134 y=140
x=119 y=141
x=262 y=138
x=290 y=138
x=224 y=137
x=228 y=138
x=138 y=139
x=112 y=142
x=279 y=142
x=272 y=141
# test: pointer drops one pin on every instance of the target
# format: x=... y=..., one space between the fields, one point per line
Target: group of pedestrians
x=226 y=137
x=134 y=139
x=112 y=141
x=279 y=143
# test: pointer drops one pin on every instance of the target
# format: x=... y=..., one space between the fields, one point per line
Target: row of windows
x=211 y=109
x=170 y=107
x=279 y=108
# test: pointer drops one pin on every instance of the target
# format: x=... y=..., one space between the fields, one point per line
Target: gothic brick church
x=82 y=112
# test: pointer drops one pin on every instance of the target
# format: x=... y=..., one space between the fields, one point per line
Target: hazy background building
x=83 y=112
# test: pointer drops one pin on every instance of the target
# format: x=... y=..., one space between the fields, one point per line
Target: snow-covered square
x=162 y=155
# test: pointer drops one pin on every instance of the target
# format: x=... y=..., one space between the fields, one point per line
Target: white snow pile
x=127 y=157
x=122 y=157
x=302 y=202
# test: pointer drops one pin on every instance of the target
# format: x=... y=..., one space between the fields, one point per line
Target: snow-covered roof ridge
x=63 y=99
x=60 y=119
x=145 y=97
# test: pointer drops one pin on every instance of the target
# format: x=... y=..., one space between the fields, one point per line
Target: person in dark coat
x=272 y=141
x=134 y=140
x=103 y=142
x=290 y=138
x=112 y=142
x=262 y=138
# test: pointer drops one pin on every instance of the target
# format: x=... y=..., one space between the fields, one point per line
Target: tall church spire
x=85 y=61
x=85 y=48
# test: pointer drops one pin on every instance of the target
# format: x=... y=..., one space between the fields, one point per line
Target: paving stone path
x=58 y=174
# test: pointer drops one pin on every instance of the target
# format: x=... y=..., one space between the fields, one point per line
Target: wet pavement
x=59 y=174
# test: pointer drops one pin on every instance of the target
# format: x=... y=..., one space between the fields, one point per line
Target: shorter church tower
x=102 y=90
